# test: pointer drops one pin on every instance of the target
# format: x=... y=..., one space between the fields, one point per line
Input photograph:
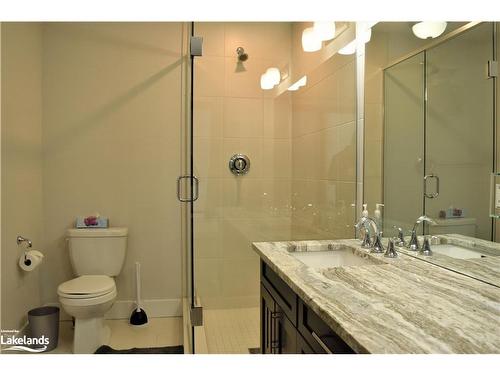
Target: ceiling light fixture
x=428 y=29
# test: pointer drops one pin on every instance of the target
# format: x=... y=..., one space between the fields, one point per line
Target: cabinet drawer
x=318 y=335
x=280 y=291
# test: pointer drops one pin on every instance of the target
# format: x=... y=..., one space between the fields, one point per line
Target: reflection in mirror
x=429 y=127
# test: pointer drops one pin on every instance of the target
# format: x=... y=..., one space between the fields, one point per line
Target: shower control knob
x=239 y=164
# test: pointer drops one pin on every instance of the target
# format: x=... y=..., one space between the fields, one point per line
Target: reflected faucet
x=414 y=245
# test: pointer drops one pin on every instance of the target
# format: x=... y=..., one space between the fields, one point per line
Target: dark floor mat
x=254 y=350
x=160 y=350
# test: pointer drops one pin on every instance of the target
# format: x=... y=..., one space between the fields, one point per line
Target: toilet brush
x=138 y=316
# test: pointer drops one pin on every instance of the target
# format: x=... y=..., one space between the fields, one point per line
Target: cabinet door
x=303 y=347
x=285 y=333
x=267 y=311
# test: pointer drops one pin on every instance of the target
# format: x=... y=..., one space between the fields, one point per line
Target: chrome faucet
x=375 y=246
x=400 y=240
x=414 y=245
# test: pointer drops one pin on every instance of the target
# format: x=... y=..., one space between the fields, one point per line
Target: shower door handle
x=436 y=193
x=194 y=195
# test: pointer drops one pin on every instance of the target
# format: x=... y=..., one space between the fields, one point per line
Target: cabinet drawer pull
x=321 y=343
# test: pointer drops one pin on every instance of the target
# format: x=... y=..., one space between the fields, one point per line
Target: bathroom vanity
x=336 y=297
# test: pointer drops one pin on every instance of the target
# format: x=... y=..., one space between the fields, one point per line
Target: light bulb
x=348 y=49
x=265 y=82
x=324 y=30
x=428 y=29
x=274 y=75
x=310 y=41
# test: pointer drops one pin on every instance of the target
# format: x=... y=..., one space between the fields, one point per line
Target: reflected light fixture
x=274 y=75
x=265 y=82
x=297 y=85
x=270 y=78
x=310 y=41
x=348 y=49
x=324 y=30
x=428 y=29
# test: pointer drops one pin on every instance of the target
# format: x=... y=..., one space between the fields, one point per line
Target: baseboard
x=155 y=308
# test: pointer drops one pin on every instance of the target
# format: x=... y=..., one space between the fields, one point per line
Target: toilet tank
x=97 y=251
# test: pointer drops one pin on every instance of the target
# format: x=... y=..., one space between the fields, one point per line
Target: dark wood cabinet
x=288 y=325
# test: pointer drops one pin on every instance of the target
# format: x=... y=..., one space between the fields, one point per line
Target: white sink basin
x=457 y=252
x=331 y=258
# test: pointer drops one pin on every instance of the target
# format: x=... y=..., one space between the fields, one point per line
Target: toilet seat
x=87 y=287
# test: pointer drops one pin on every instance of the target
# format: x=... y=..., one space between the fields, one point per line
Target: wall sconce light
x=350 y=48
x=324 y=30
x=310 y=41
x=428 y=29
x=270 y=78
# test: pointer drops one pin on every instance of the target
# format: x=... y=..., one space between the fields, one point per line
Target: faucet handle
x=367 y=242
x=413 y=245
x=426 y=248
x=391 y=250
x=377 y=244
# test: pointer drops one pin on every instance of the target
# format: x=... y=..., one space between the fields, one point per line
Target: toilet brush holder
x=138 y=316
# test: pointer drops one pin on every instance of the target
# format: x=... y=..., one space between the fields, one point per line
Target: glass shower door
x=459 y=133
x=403 y=142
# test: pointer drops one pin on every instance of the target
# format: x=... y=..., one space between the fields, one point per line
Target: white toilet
x=97 y=255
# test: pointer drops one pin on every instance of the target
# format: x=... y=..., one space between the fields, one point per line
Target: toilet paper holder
x=20 y=240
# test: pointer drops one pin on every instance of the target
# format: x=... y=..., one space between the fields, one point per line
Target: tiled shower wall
x=324 y=152
x=233 y=115
x=302 y=148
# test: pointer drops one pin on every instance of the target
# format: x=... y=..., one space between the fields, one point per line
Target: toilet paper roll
x=30 y=260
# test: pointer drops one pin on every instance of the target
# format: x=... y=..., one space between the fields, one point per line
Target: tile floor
x=231 y=331
x=159 y=332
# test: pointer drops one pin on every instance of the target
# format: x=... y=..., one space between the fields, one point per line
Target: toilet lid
x=87 y=286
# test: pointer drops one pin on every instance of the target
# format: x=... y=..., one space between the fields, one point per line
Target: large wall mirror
x=429 y=127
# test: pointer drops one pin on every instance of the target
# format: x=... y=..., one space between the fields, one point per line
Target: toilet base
x=90 y=334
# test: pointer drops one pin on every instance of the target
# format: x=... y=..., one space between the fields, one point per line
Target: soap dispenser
x=365 y=210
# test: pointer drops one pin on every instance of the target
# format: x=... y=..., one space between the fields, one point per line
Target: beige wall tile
x=213 y=34
x=261 y=40
x=278 y=117
x=208 y=116
x=208 y=237
x=277 y=158
x=243 y=118
x=208 y=157
x=209 y=76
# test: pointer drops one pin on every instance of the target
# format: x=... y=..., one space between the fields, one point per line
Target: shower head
x=242 y=56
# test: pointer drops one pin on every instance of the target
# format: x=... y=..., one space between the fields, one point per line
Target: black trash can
x=44 y=326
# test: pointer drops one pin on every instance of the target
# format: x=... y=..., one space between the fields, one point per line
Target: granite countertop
x=400 y=305
x=485 y=269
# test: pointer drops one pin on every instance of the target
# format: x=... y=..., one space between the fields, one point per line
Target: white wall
x=21 y=167
x=111 y=131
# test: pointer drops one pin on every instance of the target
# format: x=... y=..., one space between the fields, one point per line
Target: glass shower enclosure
x=270 y=165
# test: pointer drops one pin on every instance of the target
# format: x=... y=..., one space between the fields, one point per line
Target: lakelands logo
x=11 y=341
